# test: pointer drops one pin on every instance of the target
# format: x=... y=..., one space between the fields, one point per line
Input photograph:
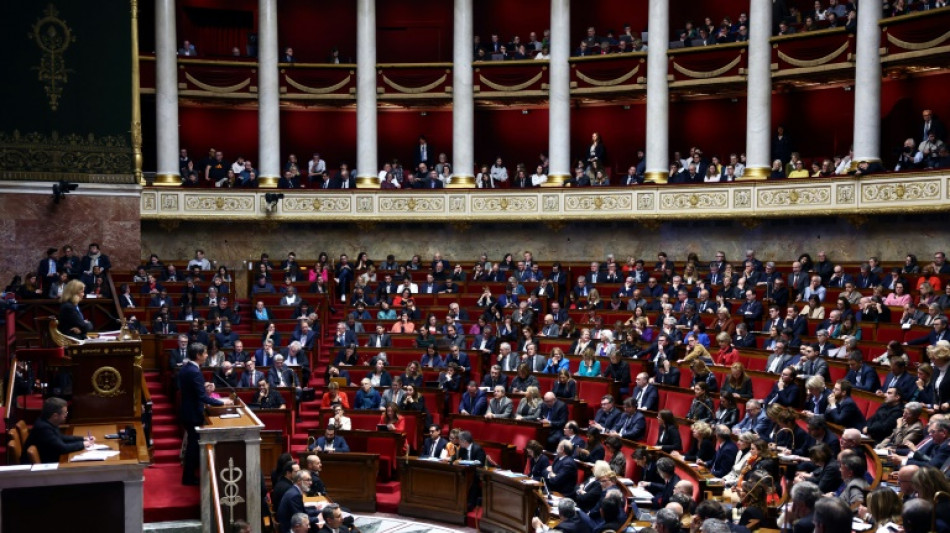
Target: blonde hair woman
x=71 y=321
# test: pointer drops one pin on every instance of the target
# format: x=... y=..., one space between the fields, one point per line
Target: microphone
x=704 y=404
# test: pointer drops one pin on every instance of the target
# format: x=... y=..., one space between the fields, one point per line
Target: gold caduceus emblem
x=53 y=37
x=230 y=477
x=107 y=382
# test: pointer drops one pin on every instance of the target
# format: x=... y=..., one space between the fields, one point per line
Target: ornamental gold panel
x=845 y=194
x=908 y=191
x=212 y=202
x=645 y=201
x=694 y=200
x=412 y=204
x=809 y=196
x=505 y=203
x=148 y=201
x=315 y=204
x=598 y=202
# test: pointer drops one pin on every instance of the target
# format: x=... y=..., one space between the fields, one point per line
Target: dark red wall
x=312 y=28
x=233 y=131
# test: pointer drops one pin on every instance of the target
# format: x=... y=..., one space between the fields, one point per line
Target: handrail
x=215 y=493
x=11 y=384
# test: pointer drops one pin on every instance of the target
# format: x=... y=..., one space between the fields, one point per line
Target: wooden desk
x=350 y=478
x=508 y=505
x=138 y=453
x=101 y=496
x=434 y=490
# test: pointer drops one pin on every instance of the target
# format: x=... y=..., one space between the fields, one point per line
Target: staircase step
x=388 y=487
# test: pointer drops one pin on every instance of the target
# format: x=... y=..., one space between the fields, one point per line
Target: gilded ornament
x=107 y=382
x=53 y=37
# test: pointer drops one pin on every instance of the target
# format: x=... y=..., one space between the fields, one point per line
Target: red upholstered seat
x=678 y=402
x=761 y=386
x=685 y=475
x=888 y=332
x=653 y=430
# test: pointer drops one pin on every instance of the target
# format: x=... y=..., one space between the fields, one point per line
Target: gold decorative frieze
x=694 y=200
x=213 y=202
x=810 y=196
x=598 y=202
x=316 y=204
x=412 y=204
x=505 y=203
x=901 y=191
x=86 y=158
x=842 y=196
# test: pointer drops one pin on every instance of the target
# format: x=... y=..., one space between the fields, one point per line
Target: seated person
x=267 y=398
x=45 y=435
x=330 y=442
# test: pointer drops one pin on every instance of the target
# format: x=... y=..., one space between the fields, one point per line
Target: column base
x=461 y=182
x=367 y=182
x=756 y=173
x=267 y=182
x=167 y=180
x=556 y=180
x=656 y=176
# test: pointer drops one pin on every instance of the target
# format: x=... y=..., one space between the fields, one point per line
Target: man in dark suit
x=725 y=457
x=433 y=445
x=937 y=454
x=900 y=378
x=631 y=425
x=473 y=401
x=177 y=356
x=306 y=336
x=573 y=518
x=938 y=333
x=380 y=339
x=45 y=435
x=795 y=322
x=484 y=344
x=423 y=152
x=841 y=408
x=554 y=416
x=264 y=357
x=291 y=502
x=468 y=450
x=755 y=419
x=663 y=489
x=47 y=272
x=251 y=376
x=193 y=399
x=804 y=496
x=605 y=419
x=751 y=310
x=562 y=474
x=495 y=378
x=330 y=442
x=343 y=337
x=862 y=375
x=281 y=376
x=645 y=394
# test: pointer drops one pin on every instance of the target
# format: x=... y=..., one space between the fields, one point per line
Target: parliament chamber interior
x=681 y=266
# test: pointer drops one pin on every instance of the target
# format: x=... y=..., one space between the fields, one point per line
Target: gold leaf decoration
x=53 y=37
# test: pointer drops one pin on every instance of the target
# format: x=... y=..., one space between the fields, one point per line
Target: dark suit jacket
x=663 y=492
x=427 y=448
x=104 y=263
x=846 y=414
x=474 y=406
x=565 y=475
x=473 y=453
x=290 y=379
x=787 y=397
x=247 y=380
x=70 y=317
x=650 y=399
x=724 y=459
x=906 y=383
x=556 y=414
x=290 y=504
x=193 y=395
x=670 y=439
x=865 y=378
x=50 y=442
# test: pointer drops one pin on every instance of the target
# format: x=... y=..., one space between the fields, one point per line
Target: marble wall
x=31 y=223
x=781 y=239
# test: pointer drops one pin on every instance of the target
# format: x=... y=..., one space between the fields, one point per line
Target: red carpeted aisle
x=165 y=497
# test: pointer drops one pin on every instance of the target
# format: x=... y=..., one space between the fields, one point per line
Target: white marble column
x=759 y=92
x=268 y=96
x=867 y=84
x=658 y=89
x=366 y=165
x=463 y=103
x=167 y=171
x=559 y=95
